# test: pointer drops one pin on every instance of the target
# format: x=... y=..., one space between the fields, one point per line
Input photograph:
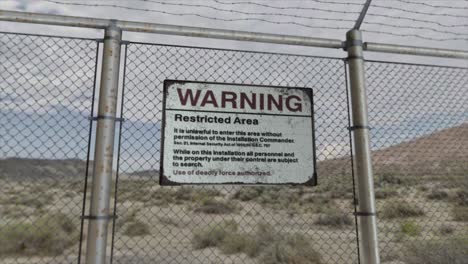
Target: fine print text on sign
x=215 y=133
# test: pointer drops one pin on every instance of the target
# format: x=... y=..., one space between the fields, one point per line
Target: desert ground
x=422 y=212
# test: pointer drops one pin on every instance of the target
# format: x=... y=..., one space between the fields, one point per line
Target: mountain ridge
x=443 y=151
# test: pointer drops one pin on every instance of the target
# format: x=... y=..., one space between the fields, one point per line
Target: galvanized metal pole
x=87 y=22
x=362 y=155
x=99 y=215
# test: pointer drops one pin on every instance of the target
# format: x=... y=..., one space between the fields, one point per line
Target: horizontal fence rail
x=132 y=26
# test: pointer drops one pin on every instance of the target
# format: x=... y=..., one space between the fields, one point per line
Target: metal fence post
x=99 y=215
x=362 y=155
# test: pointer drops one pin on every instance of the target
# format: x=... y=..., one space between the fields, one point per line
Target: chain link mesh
x=419 y=116
x=46 y=92
x=232 y=224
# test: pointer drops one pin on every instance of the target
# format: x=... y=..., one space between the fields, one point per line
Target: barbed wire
x=433 y=6
x=413 y=35
x=245 y=13
x=413 y=27
x=452 y=1
x=266 y=5
x=417 y=12
x=280 y=14
x=288 y=7
x=197 y=15
x=246 y=3
x=418 y=20
x=457 y=35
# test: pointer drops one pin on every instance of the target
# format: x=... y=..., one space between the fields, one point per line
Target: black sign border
x=164 y=181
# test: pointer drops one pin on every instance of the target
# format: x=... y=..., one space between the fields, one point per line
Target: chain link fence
x=46 y=95
x=232 y=224
x=419 y=116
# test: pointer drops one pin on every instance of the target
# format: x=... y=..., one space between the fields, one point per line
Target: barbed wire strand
x=452 y=1
x=243 y=12
x=240 y=3
x=197 y=15
x=295 y=16
x=287 y=7
x=433 y=6
x=299 y=8
x=417 y=12
x=285 y=22
x=418 y=20
x=413 y=35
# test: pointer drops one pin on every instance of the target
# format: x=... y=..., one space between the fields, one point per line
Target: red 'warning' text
x=234 y=100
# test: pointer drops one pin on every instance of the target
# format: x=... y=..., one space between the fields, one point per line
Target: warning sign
x=215 y=133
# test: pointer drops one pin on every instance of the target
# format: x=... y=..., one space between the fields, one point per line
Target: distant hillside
x=445 y=145
x=442 y=152
x=34 y=169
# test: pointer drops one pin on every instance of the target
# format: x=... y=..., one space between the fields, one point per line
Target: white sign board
x=215 y=133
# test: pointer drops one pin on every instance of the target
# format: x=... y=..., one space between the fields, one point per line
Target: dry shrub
x=453 y=251
x=273 y=247
x=212 y=206
x=295 y=199
x=128 y=217
x=410 y=228
x=267 y=244
x=137 y=228
x=195 y=194
x=437 y=195
x=169 y=221
x=236 y=243
x=213 y=235
x=19 y=211
x=384 y=193
x=401 y=209
x=164 y=196
x=48 y=235
x=275 y=197
x=460 y=213
x=390 y=177
x=249 y=193
x=290 y=249
x=28 y=198
x=461 y=198
x=334 y=218
x=460 y=209
x=446 y=230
